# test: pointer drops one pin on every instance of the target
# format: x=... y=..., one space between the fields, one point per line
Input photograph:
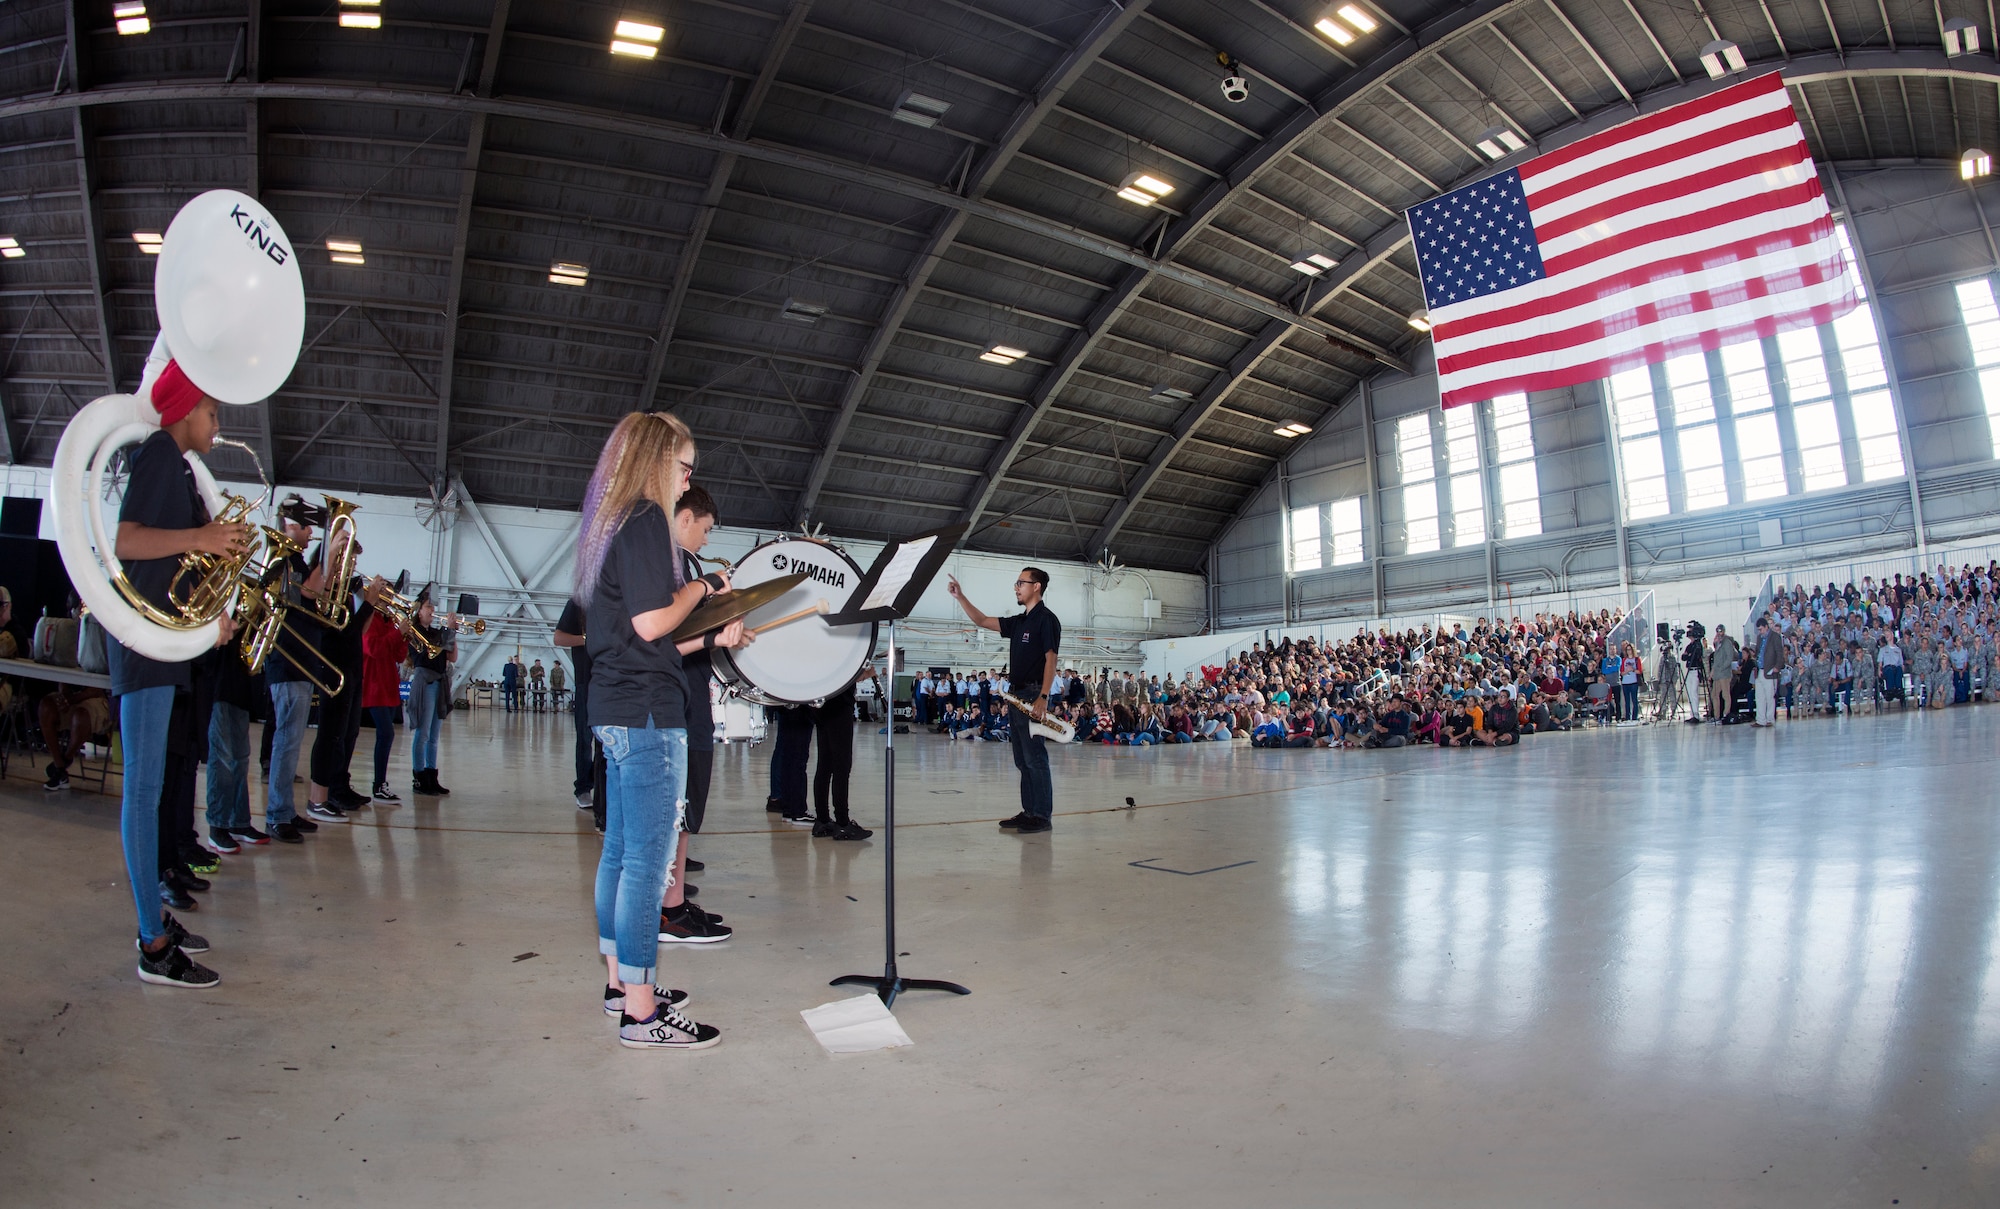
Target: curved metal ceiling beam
x=1394 y=236
x=711 y=198
x=1027 y=116
x=1304 y=122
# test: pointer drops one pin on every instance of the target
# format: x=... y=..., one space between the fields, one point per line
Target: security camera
x=1235 y=89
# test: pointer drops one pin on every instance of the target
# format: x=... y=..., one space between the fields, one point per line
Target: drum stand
x=890 y=983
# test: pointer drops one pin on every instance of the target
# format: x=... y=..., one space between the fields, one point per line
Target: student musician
x=1033 y=636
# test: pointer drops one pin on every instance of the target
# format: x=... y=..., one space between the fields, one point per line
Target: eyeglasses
x=1024 y=583
x=687 y=470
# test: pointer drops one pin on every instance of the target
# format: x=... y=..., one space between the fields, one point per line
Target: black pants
x=584 y=741
x=701 y=765
x=833 y=725
x=795 y=730
x=331 y=746
x=384 y=717
x=176 y=811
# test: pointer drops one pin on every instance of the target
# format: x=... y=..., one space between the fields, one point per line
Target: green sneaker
x=204 y=864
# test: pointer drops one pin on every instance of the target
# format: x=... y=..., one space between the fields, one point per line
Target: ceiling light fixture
x=919 y=110
x=801 y=312
x=1974 y=163
x=1353 y=20
x=360 y=20
x=132 y=18
x=1169 y=394
x=1720 y=58
x=637 y=39
x=1313 y=264
x=1143 y=188
x=1961 y=37
x=1001 y=354
x=345 y=251
x=1340 y=34
x=565 y=272
x=11 y=248
x=1420 y=319
x=148 y=241
x=1294 y=429
x=1358 y=17
x=1498 y=142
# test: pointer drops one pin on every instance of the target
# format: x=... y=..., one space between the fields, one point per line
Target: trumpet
x=402 y=613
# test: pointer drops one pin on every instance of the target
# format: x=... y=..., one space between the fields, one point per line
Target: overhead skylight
x=801 y=312
x=1314 y=264
x=638 y=39
x=1001 y=354
x=1143 y=188
x=566 y=272
x=920 y=110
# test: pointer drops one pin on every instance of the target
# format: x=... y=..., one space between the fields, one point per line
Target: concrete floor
x=1660 y=967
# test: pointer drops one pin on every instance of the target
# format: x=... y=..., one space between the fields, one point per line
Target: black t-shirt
x=571 y=622
x=696 y=669
x=160 y=494
x=300 y=637
x=1030 y=636
x=633 y=681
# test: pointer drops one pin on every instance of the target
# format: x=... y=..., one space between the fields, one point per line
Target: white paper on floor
x=855 y=1026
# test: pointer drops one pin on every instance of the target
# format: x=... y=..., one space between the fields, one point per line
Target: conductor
x=1032 y=638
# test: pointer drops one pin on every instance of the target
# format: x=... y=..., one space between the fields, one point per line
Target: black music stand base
x=889 y=984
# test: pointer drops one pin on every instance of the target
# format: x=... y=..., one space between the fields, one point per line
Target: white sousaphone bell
x=232 y=310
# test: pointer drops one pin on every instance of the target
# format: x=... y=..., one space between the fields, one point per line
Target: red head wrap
x=174 y=396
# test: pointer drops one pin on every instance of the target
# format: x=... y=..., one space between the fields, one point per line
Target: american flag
x=1691 y=228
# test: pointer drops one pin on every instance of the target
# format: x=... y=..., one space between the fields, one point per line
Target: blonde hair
x=641 y=461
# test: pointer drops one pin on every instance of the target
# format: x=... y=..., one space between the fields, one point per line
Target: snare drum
x=804 y=661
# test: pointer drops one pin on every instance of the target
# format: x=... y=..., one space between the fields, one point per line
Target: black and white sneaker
x=797 y=820
x=173 y=968
x=221 y=843
x=583 y=802
x=667 y=1029
x=325 y=813
x=385 y=794
x=688 y=924
x=178 y=936
x=614 y=999
x=58 y=778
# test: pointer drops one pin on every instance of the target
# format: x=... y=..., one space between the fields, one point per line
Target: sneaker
x=347 y=799
x=1032 y=826
x=185 y=879
x=173 y=969
x=203 y=865
x=286 y=833
x=249 y=836
x=304 y=824
x=797 y=820
x=850 y=831
x=688 y=924
x=325 y=813
x=823 y=829
x=385 y=794
x=58 y=778
x=220 y=843
x=177 y=898
x=614 y=999
x=178 y=936
x=689 y=889
x=583 y=802
x=667 y=1029
x=693 y=866
x=1017 y=820
x=774 y=806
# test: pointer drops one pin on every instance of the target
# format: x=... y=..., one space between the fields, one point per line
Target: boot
x=420 y=783
x=436 y=788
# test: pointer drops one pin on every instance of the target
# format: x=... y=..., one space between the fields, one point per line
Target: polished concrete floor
x=1674 y=966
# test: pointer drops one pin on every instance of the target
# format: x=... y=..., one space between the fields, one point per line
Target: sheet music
x=896 y=576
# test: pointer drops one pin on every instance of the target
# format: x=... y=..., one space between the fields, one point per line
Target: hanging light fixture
x=1720 y=58
x=1961 y=37
x=1973 y=164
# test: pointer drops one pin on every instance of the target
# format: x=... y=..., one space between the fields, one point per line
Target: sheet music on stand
x=896 y=576
x=893 y=585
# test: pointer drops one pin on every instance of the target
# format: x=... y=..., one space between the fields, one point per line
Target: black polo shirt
x=571 y=622
x=1030 y=636
x=160 y=494
x=696 y=669
x=632 y=680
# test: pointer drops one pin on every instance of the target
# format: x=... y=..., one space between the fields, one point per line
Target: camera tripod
x=1671 y=698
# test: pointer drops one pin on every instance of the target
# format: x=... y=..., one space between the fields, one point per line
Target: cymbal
x=724 y=607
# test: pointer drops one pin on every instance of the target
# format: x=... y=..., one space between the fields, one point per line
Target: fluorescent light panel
x=148 y=241
x=344 y=245
x=1001 y=354
x=1313 y=264
x=1143 y=188
x=1961 y=37
x=564 y=272
x=1974 y=163
x=1294 y=429
x=11 y=248
x=1358 y=17
x=1339 y=34
x=135 y=25
x=919 y=110
x=1499 y=142
x=639 y=31
x=801 y=312
x=360 y=20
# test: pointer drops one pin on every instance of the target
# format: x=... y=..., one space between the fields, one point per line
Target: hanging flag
x=1691 y=228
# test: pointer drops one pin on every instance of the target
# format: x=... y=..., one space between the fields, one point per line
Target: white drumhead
x=804 y=660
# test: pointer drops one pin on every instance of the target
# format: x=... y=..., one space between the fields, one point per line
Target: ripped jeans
x=645 y=779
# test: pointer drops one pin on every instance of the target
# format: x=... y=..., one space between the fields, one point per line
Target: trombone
x=261 y=610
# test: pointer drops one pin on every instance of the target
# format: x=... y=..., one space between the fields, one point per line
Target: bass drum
x=806 y=661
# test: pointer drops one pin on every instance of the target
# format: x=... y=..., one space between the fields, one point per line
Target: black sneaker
x=774 y=806
x=249 y=836
x=689 y=889
x=186 y=880
x=797 y=820
x=823 y=829
x=614 y=999
x=1017 y=820
x=385 y=794
x=305 y=825
x=172 y=968
x=693 y=866
x=1032 y=826
x=325 y=812
x=347 y=799
x=688 y=924
x=177 y=898
x=204 y=863
x=221 y=843
x=177 y=936
x=667 y=1029
x=286 y=833
x=850 y=831
x=58 y=778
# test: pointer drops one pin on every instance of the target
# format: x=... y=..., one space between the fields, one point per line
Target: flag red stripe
x=1687 y=149
x=1639 y=128
x=1687 y=229
x=1690 y=188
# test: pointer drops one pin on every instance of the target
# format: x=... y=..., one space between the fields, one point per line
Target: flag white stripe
x=1610 y=191
x=1663 y=330
x=1624 y=149
x=1650 y=217
x=1785 y=219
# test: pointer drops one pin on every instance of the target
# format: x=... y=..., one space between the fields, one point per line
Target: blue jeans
x=645 y=778
x=511 y=697
x=423 y=715
x=228 y=767
x=384 y=717
x=1031 y=756
x=291 y=702
x=142 y=733
x=1630 y=695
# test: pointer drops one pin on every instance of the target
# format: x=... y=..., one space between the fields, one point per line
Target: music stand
x=889 y=591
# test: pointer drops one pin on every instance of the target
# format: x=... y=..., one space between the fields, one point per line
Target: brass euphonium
x=261 y=609
x=338 y=570
x=206 y=584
